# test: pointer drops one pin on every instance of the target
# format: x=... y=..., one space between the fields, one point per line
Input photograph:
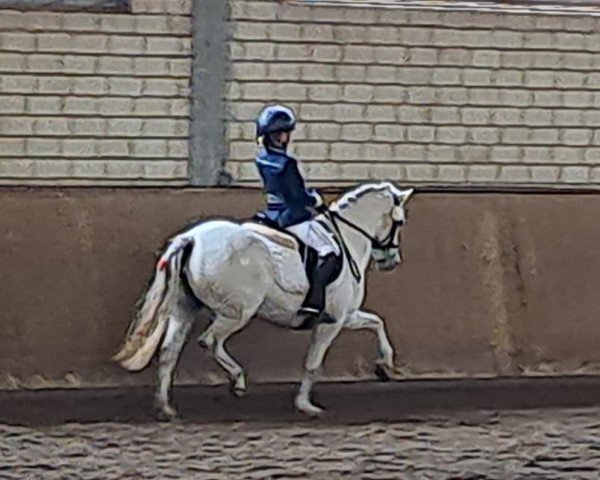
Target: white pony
x=246 y=271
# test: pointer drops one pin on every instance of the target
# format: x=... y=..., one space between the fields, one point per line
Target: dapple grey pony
x=246 y=271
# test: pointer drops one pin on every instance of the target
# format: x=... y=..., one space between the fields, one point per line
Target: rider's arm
x=292 y=186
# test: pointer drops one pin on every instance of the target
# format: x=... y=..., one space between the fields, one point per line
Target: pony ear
x=406 y=194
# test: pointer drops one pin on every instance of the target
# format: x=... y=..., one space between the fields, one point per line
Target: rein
x=351 y=262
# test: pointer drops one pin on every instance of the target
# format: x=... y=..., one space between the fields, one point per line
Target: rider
x=292 y=206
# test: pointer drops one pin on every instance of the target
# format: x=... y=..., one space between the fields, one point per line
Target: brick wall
x=95 y=98
x=415 y=95
x=421 y=96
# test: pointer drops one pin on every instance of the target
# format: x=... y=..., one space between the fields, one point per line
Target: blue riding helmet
x=275 y=118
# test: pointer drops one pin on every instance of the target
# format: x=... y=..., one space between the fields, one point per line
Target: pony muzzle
x=388 y=259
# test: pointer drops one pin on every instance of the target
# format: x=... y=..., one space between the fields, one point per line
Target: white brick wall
x=96 y=98
x=422 y=96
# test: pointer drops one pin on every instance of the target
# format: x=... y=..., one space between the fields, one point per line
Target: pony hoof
x=238 y=392
x=166 y=413
x=309 y=409
x=386 y=373
x=382 y=373
x=313 y=412
x=238 y=386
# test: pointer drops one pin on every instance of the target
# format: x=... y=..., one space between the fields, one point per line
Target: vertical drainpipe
x=211 y=29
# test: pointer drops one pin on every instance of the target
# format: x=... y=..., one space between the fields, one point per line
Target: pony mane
x=356 y=193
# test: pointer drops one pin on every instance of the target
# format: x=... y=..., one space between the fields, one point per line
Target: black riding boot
x=313 y=308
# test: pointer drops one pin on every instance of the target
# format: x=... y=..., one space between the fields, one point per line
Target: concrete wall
x=491 y=285
x=420 y=95
x=96 y=98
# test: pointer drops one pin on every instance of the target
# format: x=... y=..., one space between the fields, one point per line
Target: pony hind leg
x=170 y=352
x=183 y=308
x=242 y=286
x=214 y=338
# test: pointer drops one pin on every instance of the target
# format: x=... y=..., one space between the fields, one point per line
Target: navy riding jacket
x=288 y=200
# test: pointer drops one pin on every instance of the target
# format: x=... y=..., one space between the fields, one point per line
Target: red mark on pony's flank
x=162 y=264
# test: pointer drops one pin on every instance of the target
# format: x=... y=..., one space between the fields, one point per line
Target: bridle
x=388 y=244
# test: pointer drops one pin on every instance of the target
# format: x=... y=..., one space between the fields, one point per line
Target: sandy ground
x=538 y=444
x=372 y=432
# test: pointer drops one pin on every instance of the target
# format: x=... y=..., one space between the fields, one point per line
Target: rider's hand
x=320 y=206
x=318 y=199
x=323 y=208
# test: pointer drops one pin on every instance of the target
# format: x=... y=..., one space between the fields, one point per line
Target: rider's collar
x=276 y=150
x=271 y=148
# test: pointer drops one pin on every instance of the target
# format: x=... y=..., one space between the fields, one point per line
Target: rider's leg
x=314 y=303
x=315 y=236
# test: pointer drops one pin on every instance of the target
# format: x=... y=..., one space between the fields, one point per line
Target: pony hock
x=241 y=272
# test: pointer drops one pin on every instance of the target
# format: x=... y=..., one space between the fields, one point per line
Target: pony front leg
x=360 y=320
x=323 y=336
x=170 y=351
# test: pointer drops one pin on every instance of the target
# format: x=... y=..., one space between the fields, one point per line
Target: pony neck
x=359 y=245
